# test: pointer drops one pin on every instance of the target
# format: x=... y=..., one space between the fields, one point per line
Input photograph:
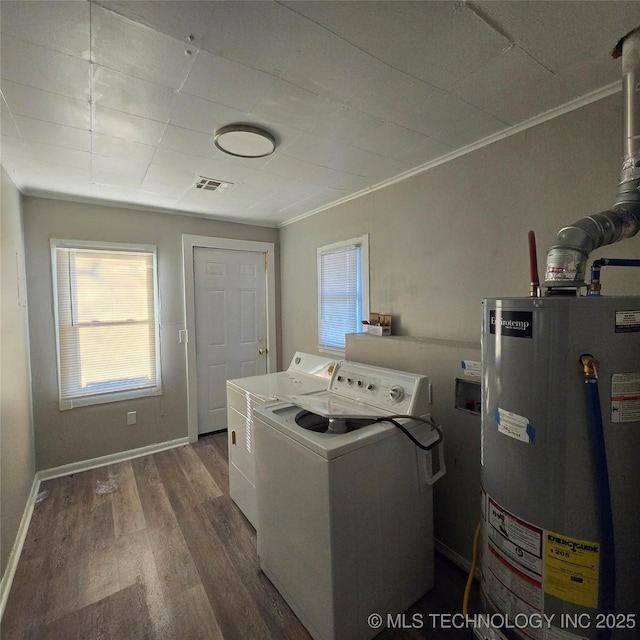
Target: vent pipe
x=567 y=259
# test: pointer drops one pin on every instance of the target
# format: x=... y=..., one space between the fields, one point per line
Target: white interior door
x=231 y=326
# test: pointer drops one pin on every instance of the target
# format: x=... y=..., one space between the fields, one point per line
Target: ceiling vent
x=211 y=184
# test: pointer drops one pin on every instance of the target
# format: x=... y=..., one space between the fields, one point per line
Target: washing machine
x=307 y=373
x=345 y=499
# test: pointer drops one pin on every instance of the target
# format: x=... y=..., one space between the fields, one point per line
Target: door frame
x=188 y=336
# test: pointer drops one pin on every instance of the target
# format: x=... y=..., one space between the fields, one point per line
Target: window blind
x=339 y=295
x=107 y=324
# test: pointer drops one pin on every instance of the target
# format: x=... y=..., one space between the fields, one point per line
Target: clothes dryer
x=307 y=373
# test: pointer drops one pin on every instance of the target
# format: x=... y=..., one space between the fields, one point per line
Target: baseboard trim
x=455 y=557
x=56 y=472
x=122 y=456
x=16 y=551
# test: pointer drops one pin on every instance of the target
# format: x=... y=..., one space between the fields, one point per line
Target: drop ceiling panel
x=221 y=170
x=531 y=89
x=59 y=26
x=345 y=124
x=181 y=20
x=332 y=154
x=558 y=33
x=162 y=189
x=44 y=69
x=111 y=122
x=137 y=50
x=296 y=209
x=29 y=173
x=44 y=105
x=436 y=42
x=123 y=195
x=468 y=131
x=394 y=96
x=227 y=82
x=47 y=153
x=123 y=179
x=440 y=112
x=121 y=92
x=220 y=202
x=584 y=75
x=201 y=115
x=119 y=166
x=175 y=161
x=263 y=35
x=402 y=144
x=331 y=67
x=169 y=175
x=249 y=192
x=187 y=141
x=288 y=104
x=112 y=147
x=51 y=133
x=315 y=174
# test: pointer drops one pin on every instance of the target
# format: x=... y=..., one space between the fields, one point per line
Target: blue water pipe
x=595 y=286
x=607 y=586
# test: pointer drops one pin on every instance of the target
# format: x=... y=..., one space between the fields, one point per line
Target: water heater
x=561 y=437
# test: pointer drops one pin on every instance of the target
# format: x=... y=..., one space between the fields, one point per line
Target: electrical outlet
x=132 y=417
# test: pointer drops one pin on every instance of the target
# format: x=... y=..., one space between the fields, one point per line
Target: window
x=107 y=330
x=343 y=291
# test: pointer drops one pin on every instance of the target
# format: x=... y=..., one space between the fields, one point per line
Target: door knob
x=263 y=351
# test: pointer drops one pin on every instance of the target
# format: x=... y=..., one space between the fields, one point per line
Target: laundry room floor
x=154 y=548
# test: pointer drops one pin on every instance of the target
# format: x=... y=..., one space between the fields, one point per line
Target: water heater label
x=515 y=426
x=513 y=565
x=571 y=569
x=517 y=324
x=625 y=397
x=627 y=321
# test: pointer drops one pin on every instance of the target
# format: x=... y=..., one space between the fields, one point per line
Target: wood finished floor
x=166 y=556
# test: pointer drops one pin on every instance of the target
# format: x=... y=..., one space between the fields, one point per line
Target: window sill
x=118 y=396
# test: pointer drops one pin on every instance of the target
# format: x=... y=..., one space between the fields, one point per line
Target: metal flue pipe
x=567 y=259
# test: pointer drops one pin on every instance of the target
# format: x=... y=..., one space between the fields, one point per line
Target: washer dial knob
x=396 y=393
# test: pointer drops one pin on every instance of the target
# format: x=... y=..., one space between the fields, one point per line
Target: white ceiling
x=118 y=101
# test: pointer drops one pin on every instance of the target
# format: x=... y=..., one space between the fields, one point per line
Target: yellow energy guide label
x=571 y=569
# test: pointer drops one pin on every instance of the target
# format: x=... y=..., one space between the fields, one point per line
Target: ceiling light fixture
x=244 y=141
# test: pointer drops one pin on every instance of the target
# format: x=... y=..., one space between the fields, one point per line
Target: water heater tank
x=543 y=542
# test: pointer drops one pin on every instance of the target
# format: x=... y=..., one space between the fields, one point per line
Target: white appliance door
x=231 y=326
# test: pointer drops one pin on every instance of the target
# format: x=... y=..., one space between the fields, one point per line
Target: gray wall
x=445 y=239
x=17 y=459
x=84 y=433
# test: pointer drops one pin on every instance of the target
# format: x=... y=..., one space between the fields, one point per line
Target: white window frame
x=66 y=403
x=361 y=242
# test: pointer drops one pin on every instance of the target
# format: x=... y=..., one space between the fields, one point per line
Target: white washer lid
x=331 y=405
x=281 y=417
